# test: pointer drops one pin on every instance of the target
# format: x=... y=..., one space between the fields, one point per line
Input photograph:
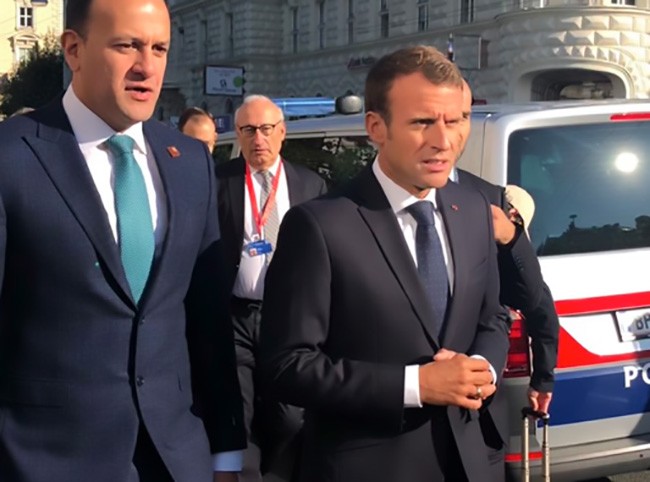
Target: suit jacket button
x=139 y=381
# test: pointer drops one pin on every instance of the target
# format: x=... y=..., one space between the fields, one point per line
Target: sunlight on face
x=419 y=146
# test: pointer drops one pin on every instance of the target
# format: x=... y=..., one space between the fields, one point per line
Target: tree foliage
x=37 y=79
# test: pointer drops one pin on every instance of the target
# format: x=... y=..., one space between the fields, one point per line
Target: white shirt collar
x=90 y=130
x=398 y=197
x=453 y=174
x=273 y=169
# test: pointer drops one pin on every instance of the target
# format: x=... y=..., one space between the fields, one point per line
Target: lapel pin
x=454 y=207
x=173 y=151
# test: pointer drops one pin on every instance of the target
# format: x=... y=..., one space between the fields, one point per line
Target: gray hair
x=257 y=97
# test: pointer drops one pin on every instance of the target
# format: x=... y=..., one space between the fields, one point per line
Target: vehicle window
x=222 y=152
x=336 y=159
x=590 y=183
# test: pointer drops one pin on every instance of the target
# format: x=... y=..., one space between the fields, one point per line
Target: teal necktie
x=134 y=226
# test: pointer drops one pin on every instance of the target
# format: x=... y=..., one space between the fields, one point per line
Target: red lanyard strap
x=260 y=219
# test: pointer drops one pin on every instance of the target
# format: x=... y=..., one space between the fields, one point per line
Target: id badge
x=258 y=248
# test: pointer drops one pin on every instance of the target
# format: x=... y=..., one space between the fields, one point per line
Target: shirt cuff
x=492 y=370
x=412 y=386
x=231 y=461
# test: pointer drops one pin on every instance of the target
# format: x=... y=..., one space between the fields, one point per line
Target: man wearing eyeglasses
x=255 y=192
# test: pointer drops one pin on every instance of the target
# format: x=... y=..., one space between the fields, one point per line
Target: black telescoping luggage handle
x=525 y=448
x=529 y=412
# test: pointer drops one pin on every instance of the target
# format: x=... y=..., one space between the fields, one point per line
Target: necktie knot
x=121 y=146
x=422 y=212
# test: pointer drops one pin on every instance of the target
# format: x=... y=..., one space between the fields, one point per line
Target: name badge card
x=258 y=248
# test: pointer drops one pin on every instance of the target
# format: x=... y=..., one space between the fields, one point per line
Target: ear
x=70 y=45
x=376 y=128
x=283 y=129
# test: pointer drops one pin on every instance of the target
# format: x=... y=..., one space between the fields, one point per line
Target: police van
x=587 y=166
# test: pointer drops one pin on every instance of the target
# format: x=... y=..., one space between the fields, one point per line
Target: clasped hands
x=455 y=379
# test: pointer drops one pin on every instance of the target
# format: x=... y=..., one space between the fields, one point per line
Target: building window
x=23 y=53
x=423 y=15
x=25 y=17
x=230 y=28
x=321 y=24
x=294 y=29
x=350 y=21
x=623 y=2
x=383 y=18
x=466 y=11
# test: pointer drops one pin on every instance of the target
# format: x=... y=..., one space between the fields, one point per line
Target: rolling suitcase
x=527 y=412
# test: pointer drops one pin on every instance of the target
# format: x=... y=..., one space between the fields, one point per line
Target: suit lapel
x=449 y=201
x=296 y=187
x=378 y=215
x=58 y=152
x=236 y=192
x=169 y=160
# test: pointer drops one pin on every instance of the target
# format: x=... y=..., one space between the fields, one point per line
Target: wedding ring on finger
x=479 y=394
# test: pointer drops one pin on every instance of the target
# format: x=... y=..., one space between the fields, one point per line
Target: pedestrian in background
x=198 y=123
x=521 y=288
x=255 y=192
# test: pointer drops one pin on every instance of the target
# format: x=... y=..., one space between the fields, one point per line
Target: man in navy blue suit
x=381 y=313
x=117 y=360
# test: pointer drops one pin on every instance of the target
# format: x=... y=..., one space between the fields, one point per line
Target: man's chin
x=436 y=181
x=139 y=112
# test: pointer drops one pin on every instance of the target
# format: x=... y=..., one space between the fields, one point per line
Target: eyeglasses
x=265 y=129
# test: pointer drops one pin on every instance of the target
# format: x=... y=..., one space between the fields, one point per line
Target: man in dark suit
x=381 y=313
x=522 y=285
x=522 y=288
x=117 y=359
x=255 y=191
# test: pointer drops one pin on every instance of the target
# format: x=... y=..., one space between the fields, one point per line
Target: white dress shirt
x=399 y=199
x=252 y=269
x=91 y=133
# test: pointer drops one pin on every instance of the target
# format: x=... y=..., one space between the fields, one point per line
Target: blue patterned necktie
x=431 y=262
x=134 y=225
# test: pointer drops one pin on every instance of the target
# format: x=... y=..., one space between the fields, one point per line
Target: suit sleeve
x=521 y=276
x=211 y=342
x=296 y=325
x=543 y=327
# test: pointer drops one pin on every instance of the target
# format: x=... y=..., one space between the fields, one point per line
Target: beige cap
x=523 y=202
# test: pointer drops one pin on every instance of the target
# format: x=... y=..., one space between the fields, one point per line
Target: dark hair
x=429 y=61
x=192 y=112
x=76 y=15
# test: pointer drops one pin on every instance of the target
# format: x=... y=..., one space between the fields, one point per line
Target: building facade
x=509 y=50
x=23 y=24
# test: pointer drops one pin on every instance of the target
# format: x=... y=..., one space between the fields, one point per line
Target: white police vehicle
x=587 y=165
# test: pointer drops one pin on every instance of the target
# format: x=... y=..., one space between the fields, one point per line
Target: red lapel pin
x=173 y=151
x=454 y=207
